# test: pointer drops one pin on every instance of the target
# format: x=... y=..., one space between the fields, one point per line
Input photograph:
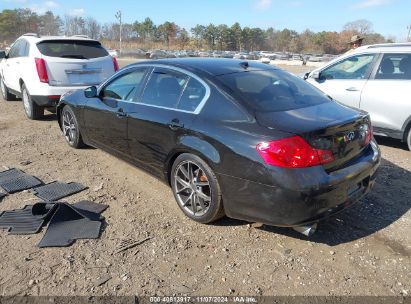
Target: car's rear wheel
x=33 y=110
x=7 y=96
x=70 y=128
x=409 y=139
x=196 y=189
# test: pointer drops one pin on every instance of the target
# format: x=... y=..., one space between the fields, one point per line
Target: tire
x=204 y=204
x=7 y=96
x=33 y=110
x=409 y=139
x=70 y=128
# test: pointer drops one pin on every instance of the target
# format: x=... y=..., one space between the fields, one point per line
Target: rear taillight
x=369 y=134
x=115 y=63
x=41 y=69
x=293 y=152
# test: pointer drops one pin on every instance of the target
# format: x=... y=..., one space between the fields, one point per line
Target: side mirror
x=3 y=54
x=91 y=92
x=316 y=75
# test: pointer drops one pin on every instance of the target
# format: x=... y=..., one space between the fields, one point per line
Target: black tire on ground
x=70 y=128
x=7 y=96
x=204 y=174
x=409 y=139
x=31 y=108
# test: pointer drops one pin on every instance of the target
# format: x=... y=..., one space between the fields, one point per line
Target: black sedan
x=230 y=137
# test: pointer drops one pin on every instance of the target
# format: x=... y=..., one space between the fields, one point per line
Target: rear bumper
x=40 y=93
x=301 y=196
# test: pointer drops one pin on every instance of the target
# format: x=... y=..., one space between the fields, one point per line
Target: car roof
x=384 y=48
x=371 y=49
x=212 y=66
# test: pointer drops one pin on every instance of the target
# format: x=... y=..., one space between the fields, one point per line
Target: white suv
x=374 y=78
x=41 y=69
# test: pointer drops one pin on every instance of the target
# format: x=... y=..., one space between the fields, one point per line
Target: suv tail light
x=115 y=63
x=293 y=152
x=41 y=69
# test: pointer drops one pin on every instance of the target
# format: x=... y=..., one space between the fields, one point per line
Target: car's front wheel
x=7 y=96
x=70 y=128
x=409 y=139
x=196 y=189
x=33 y=110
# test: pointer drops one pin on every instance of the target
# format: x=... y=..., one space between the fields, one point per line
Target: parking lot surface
x=363 y=251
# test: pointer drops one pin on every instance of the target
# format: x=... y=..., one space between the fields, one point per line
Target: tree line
x=147 y=34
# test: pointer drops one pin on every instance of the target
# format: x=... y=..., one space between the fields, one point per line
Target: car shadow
x=388 y=201
x=391 y=142
x=49 y=117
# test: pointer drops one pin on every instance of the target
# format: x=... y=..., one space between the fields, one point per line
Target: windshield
x=76 y=49
x=273 y=90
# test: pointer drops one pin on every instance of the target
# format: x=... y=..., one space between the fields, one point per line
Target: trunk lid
x=328 y=126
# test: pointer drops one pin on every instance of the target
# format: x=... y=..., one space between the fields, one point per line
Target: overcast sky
x=389 y=17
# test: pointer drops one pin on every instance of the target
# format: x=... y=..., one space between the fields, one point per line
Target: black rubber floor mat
x=90 y=206
x=69 y=224
x=57 y=190
x=28 y=220
x=10 y=174
x=15 y=180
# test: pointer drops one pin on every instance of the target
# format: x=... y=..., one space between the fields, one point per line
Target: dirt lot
x=364 y=251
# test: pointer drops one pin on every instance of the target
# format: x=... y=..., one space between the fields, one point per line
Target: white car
x=374 y=78
x=41 y=69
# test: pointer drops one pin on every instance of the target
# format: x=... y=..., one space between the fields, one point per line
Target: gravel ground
x=363 y=251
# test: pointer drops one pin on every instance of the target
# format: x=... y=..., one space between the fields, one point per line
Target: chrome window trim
x=191 y=75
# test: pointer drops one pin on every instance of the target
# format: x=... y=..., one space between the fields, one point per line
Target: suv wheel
x=196 y=189
x=7 y=96
x=71 y=128
x=409 y=139
x=32 y=110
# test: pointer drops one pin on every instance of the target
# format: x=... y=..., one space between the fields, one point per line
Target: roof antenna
x=244 y=64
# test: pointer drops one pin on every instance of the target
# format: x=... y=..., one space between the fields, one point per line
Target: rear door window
x=76 y=49
x=394 y=66
x=15 y=49
x=164 y=88
x=193 y=94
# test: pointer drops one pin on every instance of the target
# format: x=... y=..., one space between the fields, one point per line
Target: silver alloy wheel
x=3 y=89
x=26 y=102
x=192 y=188
x=69 y=128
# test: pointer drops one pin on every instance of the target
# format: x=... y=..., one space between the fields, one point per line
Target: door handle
x=120 y=113
x=352 y=89
x=175 y=124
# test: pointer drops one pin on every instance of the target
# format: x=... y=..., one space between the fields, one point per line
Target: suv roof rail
x=32 y=35
x=388 y=45
x=80 y=36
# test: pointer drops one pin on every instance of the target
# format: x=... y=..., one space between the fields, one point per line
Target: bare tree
x=361 y=26
x=74 y=25
x=93 y=28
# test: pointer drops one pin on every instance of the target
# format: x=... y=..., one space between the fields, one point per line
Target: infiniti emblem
x=349 y=136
